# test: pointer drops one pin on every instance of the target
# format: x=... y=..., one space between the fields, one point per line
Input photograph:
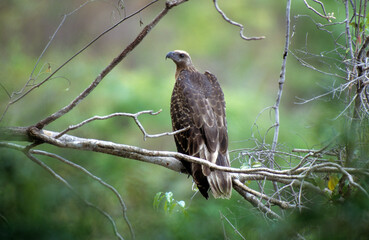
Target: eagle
x=197 y=105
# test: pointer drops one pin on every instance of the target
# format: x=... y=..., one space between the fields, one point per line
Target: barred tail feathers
x=221 y=182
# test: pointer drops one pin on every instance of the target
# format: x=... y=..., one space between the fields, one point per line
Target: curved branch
x=235 y=23
x=282 y=204
x=132 y=115
x=328 y=17
x=254 y=200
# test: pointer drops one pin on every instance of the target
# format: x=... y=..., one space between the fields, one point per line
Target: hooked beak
x=169 y=55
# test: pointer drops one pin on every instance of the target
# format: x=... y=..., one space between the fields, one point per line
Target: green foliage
x=169 y=203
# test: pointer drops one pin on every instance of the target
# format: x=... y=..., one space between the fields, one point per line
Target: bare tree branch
x=235 y=23
x=237 y=185
x=132 y=115
x=282 y=204
x=328 y=17
x=229 y=222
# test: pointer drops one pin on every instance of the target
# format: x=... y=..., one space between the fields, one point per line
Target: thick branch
x=14 y=134
x=166 y=159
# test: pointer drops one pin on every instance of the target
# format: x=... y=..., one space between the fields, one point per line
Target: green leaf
x=171 y=207
x=245 y=166
x=169 y=203
x=256 y=164
x=157 y=199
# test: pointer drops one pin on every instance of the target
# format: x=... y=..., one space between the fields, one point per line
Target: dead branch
x=170 y=160
x=132 y=115
x=281 y=204
x=229 y=222
x=254 y=200
x=235 y=23
x=324 y=15
x=282 y=77
x=162 y=158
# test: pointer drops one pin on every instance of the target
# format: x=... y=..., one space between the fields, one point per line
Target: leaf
x=256 y=164
x=245 y=166
x=169 y=203
x=247 y=183
x=157 y=199
x=332 y=183
x=171 y=207
x=181 y=204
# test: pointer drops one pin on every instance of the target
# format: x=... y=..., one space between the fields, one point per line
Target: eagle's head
x=181 y=58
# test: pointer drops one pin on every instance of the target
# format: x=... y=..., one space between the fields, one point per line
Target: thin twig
x=348 y=34
x=344 y=110
x=282 y=76
x=132 y=115
x=229 y=222
x=328 y=17
x=235 y=23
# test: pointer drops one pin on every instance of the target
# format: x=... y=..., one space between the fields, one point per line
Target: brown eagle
x=198 y=103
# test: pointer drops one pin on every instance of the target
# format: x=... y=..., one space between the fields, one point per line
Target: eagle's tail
x=221 y=182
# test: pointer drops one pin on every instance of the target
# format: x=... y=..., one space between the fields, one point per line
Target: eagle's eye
x=181 y=55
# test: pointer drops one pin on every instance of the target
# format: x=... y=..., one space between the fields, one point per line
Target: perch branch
x=162 y=158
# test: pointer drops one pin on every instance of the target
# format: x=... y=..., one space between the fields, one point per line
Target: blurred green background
x=33 y=205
